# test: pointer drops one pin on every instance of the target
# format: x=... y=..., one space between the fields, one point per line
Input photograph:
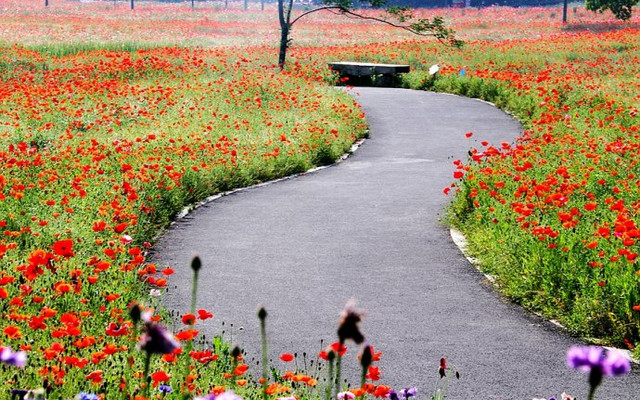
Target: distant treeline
x=431 y=3
x=472 y=3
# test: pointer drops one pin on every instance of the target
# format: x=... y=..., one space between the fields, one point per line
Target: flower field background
x=112 y=120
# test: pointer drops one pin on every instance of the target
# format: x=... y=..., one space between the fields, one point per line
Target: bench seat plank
x=367 y=69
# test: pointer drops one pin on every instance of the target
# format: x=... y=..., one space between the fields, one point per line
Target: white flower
x=346 y=396
x=434 y=69
x=125 y=239
x=155 y=293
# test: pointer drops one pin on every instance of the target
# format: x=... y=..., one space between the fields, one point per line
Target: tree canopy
x=396 y=16
x=620 y=8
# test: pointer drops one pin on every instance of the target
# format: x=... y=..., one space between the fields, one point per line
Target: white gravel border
x=460 y=241
x=185 y=211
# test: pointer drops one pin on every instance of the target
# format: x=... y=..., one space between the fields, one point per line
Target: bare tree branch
x=314 y=10
x=396 y=16
x=384 y=21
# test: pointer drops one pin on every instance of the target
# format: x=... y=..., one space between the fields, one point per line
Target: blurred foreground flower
x=345 y=396
x=155 y=339
x=408 y=392
x=348 y=327
x=228 y=395
x=15 y=358
x=597 y=363
x=87 y=396
x=588 y=358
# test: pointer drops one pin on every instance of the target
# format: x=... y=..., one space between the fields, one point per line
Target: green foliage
x=395 y=16
x=620 y=8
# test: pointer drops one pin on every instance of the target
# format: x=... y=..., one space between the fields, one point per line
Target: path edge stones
x=191 y=207
x=460 y=240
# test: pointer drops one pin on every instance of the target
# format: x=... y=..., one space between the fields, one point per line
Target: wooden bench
x=359 y=73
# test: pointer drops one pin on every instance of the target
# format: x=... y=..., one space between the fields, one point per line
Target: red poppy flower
x=188 y=319
x=338 y=348
x=159 y=376
x=204 y=315
x=240 y=369
x=114 y=330
x=374 y=373
x=186 y=335
x=287 y=357
x=63 y=248
x=95 y=377
x=120 y=227
x=382 y=391
x=12 y=332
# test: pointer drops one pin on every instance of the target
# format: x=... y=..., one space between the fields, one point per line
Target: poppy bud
x=366 y=358
x=135 y=313
x=235 y=353
x=443 y=368
x=262 y=313
x=196 y=264
x=331 y=355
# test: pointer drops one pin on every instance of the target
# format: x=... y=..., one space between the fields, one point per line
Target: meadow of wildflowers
x=110 y=125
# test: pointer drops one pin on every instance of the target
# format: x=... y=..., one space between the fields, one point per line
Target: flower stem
x=329 y=381
x=145 y=379
x=195 y=266
x=262 y=315
x=338 y=370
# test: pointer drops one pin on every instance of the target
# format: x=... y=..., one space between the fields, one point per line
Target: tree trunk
x=132 y=4
x=284 y=16
x=284 y=34
x=564 y=12
x=261 y=5
x=284 y=42
x=246 y=4
x=46 y=3
x=226 y=4
x=192 y=5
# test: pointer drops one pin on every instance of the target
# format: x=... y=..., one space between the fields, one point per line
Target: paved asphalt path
x=369 y=229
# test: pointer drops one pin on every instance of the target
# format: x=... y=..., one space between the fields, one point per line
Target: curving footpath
x=369 y=229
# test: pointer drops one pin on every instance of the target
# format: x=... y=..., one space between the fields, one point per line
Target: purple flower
x=393 y=395
x=228 y=395
x=157 y=340
x=584 y=358
x=16 y=358
x=87 y=396
x=616 y=363
x=19 y=393
x=165 y=389
x=588 y=358
x=409 y=392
